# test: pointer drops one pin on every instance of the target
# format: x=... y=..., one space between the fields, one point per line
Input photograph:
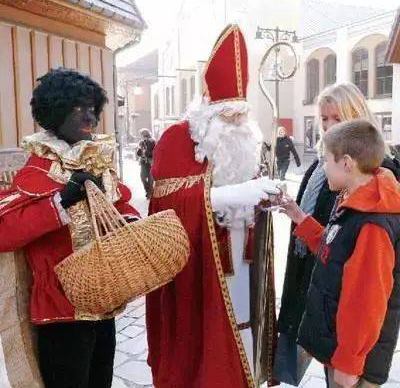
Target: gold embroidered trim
x=82 y=316
x=80 y=227
x=59 y=174
x=164 y=187
x=5 y=201
x=218 y=44
x=226 y=100
x=239 y=83
x=230 y=255
x=222 y=281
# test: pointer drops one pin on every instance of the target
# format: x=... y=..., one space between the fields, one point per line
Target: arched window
x=167 y=102
x=172 y=100
x=312 y=80
x=183 y=95
x=192 y=87
x=156 y=107
x=360 y=70
x=330 y=69
x=383 y=72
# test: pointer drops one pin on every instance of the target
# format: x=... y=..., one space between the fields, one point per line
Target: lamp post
x=276 y=35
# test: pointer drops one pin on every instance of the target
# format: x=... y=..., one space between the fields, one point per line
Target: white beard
x=234 y=151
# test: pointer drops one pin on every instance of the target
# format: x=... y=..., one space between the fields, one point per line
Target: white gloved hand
x=249 y=193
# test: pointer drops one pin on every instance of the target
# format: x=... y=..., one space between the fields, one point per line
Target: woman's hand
x=344 y=380
x=291 y=209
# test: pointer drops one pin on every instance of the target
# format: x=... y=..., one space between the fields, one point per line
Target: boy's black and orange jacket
x=352 y=315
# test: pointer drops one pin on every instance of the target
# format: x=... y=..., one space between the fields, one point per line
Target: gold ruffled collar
x=96 y=157
x=91 y=156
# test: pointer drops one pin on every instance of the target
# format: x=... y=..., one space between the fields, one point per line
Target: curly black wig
x=59 y=91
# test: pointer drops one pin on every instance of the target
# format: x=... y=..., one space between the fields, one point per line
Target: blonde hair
x=350 y=103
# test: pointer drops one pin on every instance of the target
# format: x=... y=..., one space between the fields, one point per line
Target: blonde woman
x=337 y=103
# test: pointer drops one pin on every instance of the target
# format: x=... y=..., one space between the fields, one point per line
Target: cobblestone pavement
x=131 y=369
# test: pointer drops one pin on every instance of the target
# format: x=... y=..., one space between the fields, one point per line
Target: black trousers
x=77 y=354
x=282 y=167
x=146 y=178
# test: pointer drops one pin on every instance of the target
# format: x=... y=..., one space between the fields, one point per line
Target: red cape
x=192 y=334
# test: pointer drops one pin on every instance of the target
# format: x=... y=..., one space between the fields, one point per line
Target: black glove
x=75 y=189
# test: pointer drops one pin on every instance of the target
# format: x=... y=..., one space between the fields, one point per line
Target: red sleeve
x=310 y=231
x=25 y=224
x=366 y=287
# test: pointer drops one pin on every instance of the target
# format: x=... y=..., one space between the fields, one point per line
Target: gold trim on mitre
x=239 y=81
x=231 y=28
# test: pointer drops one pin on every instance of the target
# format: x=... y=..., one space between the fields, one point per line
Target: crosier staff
x=264 y=249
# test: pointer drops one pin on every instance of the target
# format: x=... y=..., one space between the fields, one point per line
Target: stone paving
x=131 y=369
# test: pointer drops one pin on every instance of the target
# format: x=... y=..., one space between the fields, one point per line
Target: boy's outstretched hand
x=344 y=380
x=291 y=209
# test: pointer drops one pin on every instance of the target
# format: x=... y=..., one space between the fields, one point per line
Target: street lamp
x=276 y=35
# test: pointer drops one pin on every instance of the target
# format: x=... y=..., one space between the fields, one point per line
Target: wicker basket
x=126 y=260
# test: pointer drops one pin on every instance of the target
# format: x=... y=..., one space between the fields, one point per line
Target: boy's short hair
x=360 y=140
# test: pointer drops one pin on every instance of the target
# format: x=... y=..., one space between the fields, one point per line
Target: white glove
x=249 y=193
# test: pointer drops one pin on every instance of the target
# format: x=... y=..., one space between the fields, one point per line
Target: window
x=360 y=70
x=156 y=107
x=172 y=100
x=311 y=134
x=192 y=87
x=167 y=102
x=383 y=72
x=312 y=80
x=330 y=69
x=385 y=121
x=183 y=95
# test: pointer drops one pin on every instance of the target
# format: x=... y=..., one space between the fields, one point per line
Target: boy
x=352 y=315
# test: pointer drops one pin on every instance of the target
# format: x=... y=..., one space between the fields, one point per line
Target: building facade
x=393 y=57
x=354 y=53
x=335 y=43
x=36 y=36
x=134 y=86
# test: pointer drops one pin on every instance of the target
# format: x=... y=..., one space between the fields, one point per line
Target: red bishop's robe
x=194 y=341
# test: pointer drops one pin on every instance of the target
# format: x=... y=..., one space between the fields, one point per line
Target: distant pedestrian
x=145 y=154
x=284 y=146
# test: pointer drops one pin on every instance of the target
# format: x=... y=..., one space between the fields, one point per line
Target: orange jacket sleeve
x=310 y=231
x=366 y=287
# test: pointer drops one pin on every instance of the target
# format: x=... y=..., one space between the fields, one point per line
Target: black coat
x=284 y=146
x=317 y=333
x=145 y=151
x=298 y=270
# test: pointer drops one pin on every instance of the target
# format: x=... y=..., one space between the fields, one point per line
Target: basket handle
x=105 y=217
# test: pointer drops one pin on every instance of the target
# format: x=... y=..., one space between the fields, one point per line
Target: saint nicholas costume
x=198 y=325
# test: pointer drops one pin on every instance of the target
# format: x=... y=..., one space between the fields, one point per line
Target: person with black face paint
x=45 y=213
